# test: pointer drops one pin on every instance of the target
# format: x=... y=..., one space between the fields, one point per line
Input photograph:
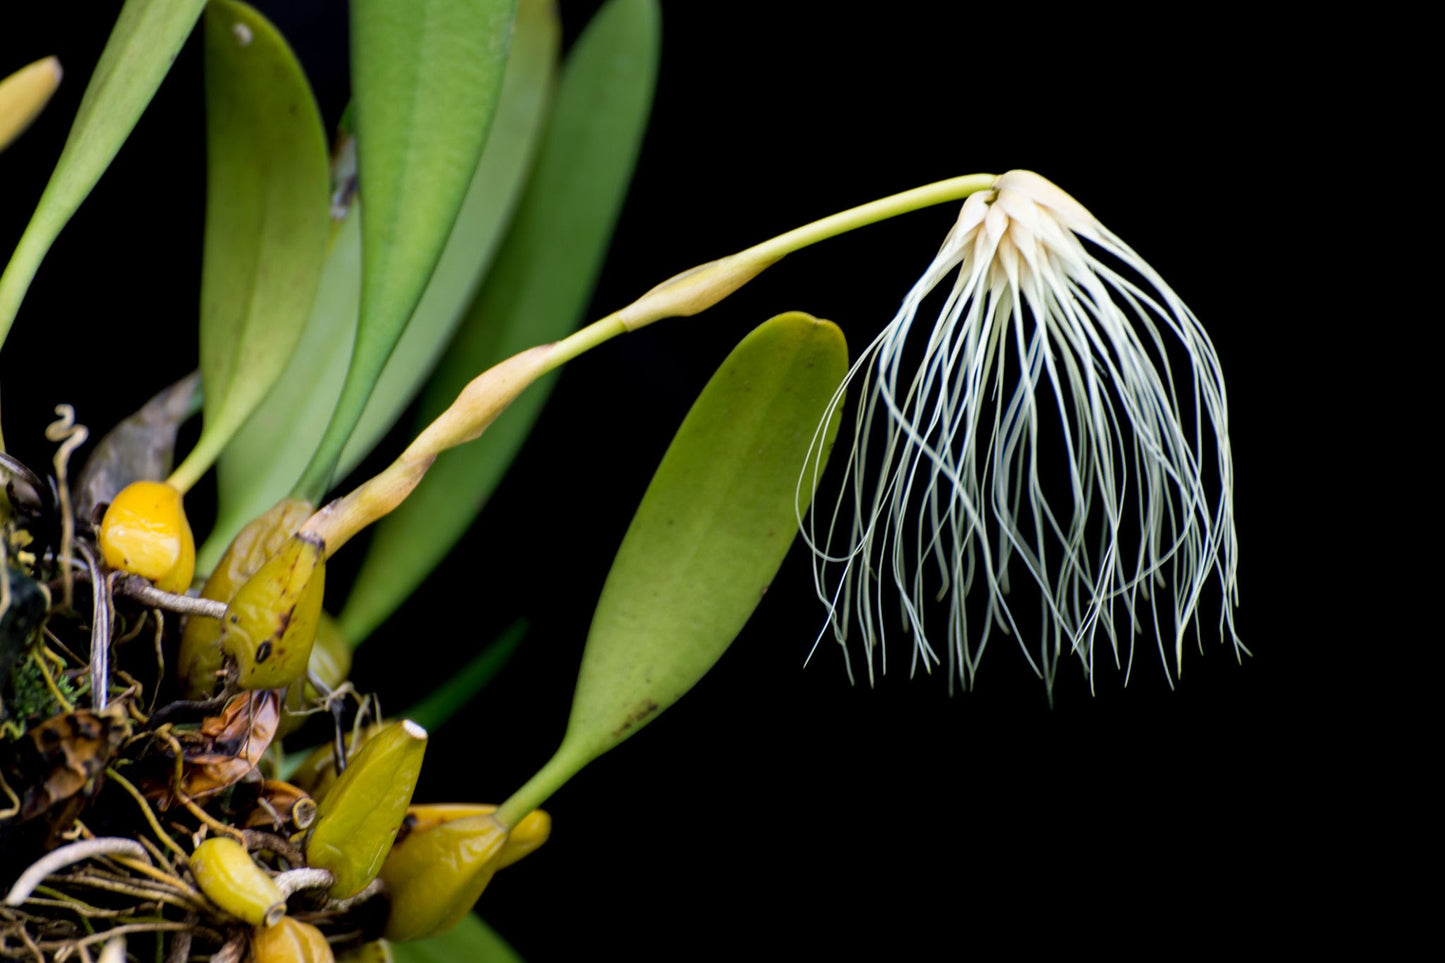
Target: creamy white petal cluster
x=1035 y=429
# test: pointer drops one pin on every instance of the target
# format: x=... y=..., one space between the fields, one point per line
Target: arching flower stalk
x=1041 y=433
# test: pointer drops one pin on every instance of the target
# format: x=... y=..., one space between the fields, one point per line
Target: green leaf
x=491 y=199
x=470 y=940
x=444 y=701
x=146 y=38
x=706 y=541
x=268 y=455
x=537 y=292
x=425 y=78
x=712 y=529
x=267 y=220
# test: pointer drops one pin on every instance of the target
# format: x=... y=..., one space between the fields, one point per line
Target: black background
x=776 y=808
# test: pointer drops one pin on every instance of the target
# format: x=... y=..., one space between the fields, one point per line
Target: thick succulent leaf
x=140 y=448
x=268 y=455
x=471 y=940
x=487 y=209
x=267 y=220
x=536 y=293
x=425 y=79
x=711 y=531
x=444 y=701
x=147 y=36
x=706 y=541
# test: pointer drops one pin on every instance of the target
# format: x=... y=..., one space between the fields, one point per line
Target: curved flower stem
x=699 y=288
x=683 y=295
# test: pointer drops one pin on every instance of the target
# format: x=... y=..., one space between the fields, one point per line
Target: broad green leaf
x=470 y=940
x=145 y=40
x=267 y=456
x=537 y=292
x=487 y=209
x=459 y=688
x=267 y=220
x=707 y=539
x=425 y=77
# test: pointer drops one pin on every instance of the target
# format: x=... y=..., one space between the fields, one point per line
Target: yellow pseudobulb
x=290 y=941
x=436 y=874
x=145 y=532
x=358 y=818
x=199 y=663
x=230 y=878
x=270 y=625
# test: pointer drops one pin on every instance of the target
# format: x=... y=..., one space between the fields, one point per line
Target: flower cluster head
x=1035 y=429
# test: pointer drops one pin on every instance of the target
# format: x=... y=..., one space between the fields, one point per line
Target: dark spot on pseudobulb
x=637 y=717
x=263 y=651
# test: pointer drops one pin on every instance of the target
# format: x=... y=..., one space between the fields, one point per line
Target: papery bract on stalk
x=1055 y=339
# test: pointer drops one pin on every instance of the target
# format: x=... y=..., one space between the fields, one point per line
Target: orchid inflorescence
x=948 y=477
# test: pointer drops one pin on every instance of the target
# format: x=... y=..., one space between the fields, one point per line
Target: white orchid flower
x=1040 y=434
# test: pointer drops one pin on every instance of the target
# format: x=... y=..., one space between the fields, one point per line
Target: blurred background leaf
x=144 y=42
x=264 y=459
x=267 y=220
x=267 y=457
x=471 y=940
x=537 y=293
x=461 y=686
x=491 y=199
x=426 y=76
